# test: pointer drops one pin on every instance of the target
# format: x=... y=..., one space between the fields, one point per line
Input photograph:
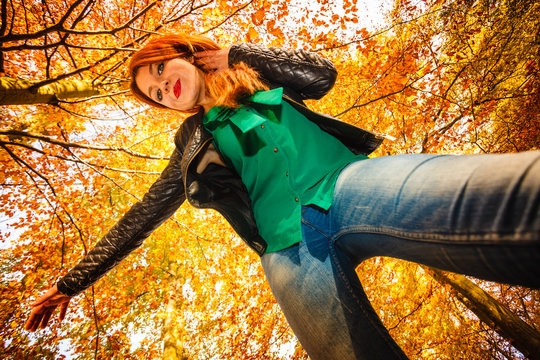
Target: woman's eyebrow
x=151 y=72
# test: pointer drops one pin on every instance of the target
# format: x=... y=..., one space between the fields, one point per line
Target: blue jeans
x=477 y=215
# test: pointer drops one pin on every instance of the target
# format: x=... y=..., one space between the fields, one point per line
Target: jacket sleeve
x=160 y=202
x=307 y=74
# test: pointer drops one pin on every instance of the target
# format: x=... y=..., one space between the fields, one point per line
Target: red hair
x=226 y=87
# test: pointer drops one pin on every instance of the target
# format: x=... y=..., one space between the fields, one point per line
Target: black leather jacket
x=303 y=75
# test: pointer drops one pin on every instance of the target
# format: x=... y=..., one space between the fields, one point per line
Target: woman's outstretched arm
x=160 y=202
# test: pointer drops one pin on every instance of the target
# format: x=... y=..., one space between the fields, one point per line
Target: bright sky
x=374 y=11
x=370 y=15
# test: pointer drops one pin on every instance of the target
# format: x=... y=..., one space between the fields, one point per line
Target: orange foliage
x=437 y=77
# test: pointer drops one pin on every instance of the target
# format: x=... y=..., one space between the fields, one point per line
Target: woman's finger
x=40 y=300
x=63 y=310
x=202 y=57
x=30 y=325
x=205 y=62
x=35 y=317
x=213 y=59
x=206 y=53
x=38 y=319
x=44 y=307
x=48 y=313
x=50 y=293
x=35 y=322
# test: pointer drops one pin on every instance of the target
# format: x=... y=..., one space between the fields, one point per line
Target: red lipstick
x=177 y=89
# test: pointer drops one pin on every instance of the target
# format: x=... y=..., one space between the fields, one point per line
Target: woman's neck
x=207 y=103
x=206 y=100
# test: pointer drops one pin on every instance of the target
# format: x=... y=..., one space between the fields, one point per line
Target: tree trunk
x=508 y=325
x=171 y=332
x=21 y=92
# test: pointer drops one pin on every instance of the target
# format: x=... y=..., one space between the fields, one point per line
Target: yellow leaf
x=252 y=34
x=258 y=17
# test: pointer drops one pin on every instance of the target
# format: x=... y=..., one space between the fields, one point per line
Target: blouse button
x=262 y=126
x=275 y=150
x=296 y=199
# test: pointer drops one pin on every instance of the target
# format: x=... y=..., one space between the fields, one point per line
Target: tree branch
x=106 y=177
x=23 y=163
x=192 y=8
x=93 y=98
x=80 y=161
x=228 y=17
x=68 y=145
x=56 y=27
x=59 y=26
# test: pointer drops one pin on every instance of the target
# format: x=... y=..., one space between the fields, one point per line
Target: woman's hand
x=44 y=308
x=213 y=60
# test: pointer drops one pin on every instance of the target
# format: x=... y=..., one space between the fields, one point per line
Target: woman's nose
x=165 y=87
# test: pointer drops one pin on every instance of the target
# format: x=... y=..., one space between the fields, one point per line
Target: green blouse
x=285 y=161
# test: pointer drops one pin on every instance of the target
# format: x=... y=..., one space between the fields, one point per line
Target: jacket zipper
x=189 y=164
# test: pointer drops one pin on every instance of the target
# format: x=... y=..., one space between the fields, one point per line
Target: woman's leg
x=477 y=215
x=331 y=320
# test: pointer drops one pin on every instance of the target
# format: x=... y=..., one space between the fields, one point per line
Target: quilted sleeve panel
x=160 y=202
x=306 y=73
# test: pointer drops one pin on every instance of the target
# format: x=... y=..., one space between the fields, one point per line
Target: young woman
x=298 y=187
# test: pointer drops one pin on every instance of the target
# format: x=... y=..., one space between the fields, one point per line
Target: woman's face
x=176 y=84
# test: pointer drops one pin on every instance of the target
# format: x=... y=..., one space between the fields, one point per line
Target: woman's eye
x=159 y=95
x=160 y=68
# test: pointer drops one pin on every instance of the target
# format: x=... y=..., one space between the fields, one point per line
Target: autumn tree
x=438 y=76
x=73 y=166
x=426 y=80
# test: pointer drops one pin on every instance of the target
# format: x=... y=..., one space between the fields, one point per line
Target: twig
x=68 y=145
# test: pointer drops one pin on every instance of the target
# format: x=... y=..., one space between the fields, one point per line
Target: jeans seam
x=384 y=334
x=315 y=228
x=444 y=238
